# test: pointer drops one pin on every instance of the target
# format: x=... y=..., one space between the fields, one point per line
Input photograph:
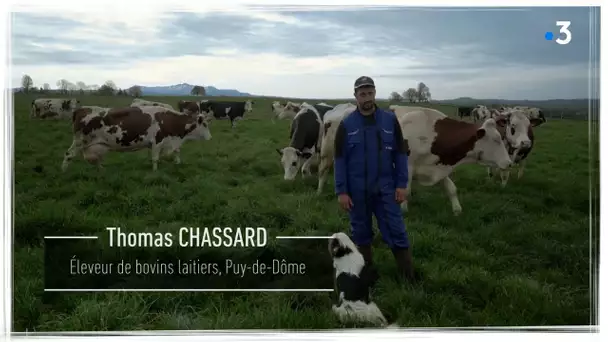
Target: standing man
x=370 y=170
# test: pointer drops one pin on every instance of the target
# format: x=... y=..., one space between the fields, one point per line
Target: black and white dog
x=354 y=279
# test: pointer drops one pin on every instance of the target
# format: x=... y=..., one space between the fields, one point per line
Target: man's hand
x=345 y=202
x=400 y=195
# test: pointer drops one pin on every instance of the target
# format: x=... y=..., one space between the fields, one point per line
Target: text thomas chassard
x=191 y=237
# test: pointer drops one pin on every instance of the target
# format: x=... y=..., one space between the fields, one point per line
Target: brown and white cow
x=142 y=102
x=188 y=107
x=516 y=131
x=133 y=128
x=437 y=144
x=53 y=108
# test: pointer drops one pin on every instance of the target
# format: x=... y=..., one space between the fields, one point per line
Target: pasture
x=517 y=256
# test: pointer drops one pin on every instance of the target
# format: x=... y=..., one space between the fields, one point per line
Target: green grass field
x=517 y=256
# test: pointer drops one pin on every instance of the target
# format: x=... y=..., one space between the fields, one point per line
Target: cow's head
x=292 y=160
x=202 y=128
x=277 y=107
x=190 y=108
x=70 y=105
x=537 y=118
x=489 y=146
x=248 y=106
x=515 y=125
x=494 y=113
x=292 y=107
x=205 y=108
x=289 y=109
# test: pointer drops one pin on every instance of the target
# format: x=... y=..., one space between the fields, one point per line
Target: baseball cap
x=364 y=81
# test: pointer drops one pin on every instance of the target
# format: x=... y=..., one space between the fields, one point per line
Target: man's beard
x=367 y=105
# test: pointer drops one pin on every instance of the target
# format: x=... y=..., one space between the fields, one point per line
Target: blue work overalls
x=369 y=170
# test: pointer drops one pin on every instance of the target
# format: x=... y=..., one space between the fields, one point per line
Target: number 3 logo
x=563 y=28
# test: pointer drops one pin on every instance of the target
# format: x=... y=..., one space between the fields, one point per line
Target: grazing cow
x=53 y=108
x=481 y=113
x=188 y=107
x=516 y=131
x=306 y=134
x=145 y=103
x=233 y=110
x=464 y=111
x=131 y=129
x=437 y=144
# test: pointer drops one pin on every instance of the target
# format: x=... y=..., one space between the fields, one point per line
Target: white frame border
x=579 y=333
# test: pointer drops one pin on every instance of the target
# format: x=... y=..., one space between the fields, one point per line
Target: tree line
x=421 y=93
x=109 y=88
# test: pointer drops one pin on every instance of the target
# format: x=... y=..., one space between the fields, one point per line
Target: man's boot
x=366 y=251
x=403 y=257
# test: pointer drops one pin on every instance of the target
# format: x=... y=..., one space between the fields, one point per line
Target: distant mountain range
x=185 y=89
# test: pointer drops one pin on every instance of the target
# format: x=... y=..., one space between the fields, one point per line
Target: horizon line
x=245 y=94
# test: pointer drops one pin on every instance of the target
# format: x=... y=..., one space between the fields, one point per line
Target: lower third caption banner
x=76 y=264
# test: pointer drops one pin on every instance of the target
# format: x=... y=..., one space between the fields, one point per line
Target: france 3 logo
x=564 y=37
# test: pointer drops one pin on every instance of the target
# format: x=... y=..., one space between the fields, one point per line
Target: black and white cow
x=465 y=111
x=54 y=108
x=224 y=110
x=323 y=108
x=306 y=135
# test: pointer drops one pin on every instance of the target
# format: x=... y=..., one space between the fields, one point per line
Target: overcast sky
x=491 y=53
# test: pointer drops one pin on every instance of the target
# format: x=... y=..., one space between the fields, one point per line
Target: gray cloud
x=201 y=34
x=507 y=36
x=436 y=44
x=34 y=41
x=492 y=37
